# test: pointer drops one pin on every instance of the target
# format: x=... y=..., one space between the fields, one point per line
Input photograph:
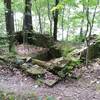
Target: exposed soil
x=29 y=49
x=86 y=88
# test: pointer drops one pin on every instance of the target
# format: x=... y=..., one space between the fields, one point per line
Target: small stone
x=25 y=79
x=93 y=81
x=28 y=59
x=36 y=86
x=98 y=82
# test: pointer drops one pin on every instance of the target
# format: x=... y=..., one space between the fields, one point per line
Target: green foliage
x=69 y=67
x=12 y=96
x=18 y=5
x=50 y=98
x=78 y=15
x=70 y=2
x=77 y=39
x=73 y=14
x=6 y=96
x=58 y=7
x=66 y=49
x=39 y=81
x=72 y=61
x=2 y=19
x=89 y=3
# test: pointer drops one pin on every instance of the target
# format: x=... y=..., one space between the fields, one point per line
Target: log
x=43 y=64
x=53 y=64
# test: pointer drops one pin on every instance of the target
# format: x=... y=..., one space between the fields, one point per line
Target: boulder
x=34 y=38
x=32 y=70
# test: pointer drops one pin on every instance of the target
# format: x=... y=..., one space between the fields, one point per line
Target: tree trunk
x=82 y=22
x=62 y=24
x=49 y=16
x=27 y=23
x=9 y=23
x=90 y=24
x=55 y=15
x=39 y=17
x=68 y=26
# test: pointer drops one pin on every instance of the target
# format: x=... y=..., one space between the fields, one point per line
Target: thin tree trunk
x=39 y=17
x=89 y=29
x=82 y=22
x=68 y=28
x=63 y=22
x=9 y=24
x=49 y=16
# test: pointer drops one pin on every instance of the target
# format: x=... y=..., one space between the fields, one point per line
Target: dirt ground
x=85 y=88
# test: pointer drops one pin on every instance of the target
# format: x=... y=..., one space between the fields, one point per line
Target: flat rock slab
x=51 y=79
x=33 y=70
x=36 y=70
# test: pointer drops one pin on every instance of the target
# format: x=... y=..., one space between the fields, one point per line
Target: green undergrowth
x=7 y=96
x=33 y=96
x=77 y=39
x=72 y=63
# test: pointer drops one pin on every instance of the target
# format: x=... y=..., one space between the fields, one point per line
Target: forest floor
x=87 y=87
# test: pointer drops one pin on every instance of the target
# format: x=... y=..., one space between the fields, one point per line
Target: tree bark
x=55 y=16
x=9 y=23
x=62 y=24
x=39 y=17
x=89 y=29
x=49 y=16
x=27 y=23
x=82 y=22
